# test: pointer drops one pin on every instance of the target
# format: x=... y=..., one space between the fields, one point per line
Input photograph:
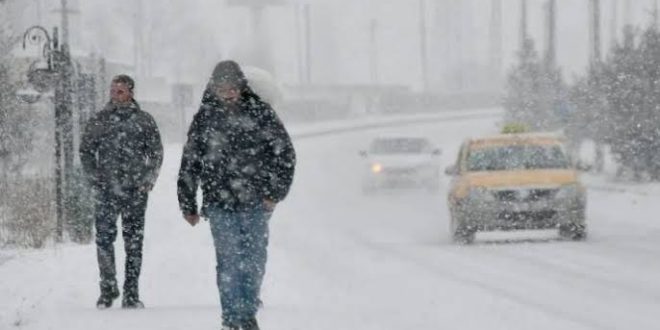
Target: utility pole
x=423 y=48
x=64 y=115
x=496 y=40
x=138 y=39
x=373 y=51
x=595 y=60
x=297 y=12
x=64 y=12
x=523 y=23
x=595 y=32
x=551 y=51
x=457 y=49
x=65 y=23
x=307 y=19
x=655 y=14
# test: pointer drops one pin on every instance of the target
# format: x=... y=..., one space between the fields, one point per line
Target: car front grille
x=525 y=195
x=543 y=215
x=399 y=170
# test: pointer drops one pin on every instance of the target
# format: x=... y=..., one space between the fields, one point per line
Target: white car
x=392 y=162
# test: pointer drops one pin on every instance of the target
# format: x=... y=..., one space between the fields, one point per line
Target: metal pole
x=299 y=43
x=423 y=52
x=138 y=41
x=496 y=40
x=373 y=52
x=595 y=32
x=308 y=42
x=614 y=27
x=67 y=126
x=523 y=23
x=655 y=14
x=550 y=55
x=59 y=177
x=65 y=22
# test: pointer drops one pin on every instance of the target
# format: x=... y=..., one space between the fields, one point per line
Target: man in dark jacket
x=121 y=153
x=241 y=155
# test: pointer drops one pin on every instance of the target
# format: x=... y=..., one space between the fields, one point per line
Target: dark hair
x=126 y=80
x=228 y=72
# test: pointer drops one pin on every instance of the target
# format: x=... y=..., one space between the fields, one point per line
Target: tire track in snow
x=575 y=273
x=467 y=278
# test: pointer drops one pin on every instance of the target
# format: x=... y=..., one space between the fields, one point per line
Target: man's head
x=228 y=81
x=121 y=89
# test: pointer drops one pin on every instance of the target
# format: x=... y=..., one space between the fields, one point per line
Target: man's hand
x=269 y=205
x=192 y=219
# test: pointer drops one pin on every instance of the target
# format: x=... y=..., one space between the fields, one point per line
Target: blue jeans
x=241 y=240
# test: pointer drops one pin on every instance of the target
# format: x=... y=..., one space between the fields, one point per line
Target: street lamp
x=53 y=72
x=29 y=95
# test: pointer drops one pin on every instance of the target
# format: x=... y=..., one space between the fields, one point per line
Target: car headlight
x=481 y=194
x=376 y=168
x=569 y=191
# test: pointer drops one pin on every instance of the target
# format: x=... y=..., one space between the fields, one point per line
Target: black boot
x=109 y=292
x=131 y=301
x=131 y=296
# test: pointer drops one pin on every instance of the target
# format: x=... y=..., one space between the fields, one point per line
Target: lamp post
x=53 y=72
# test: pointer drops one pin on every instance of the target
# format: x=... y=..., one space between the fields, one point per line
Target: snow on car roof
x=542 y=138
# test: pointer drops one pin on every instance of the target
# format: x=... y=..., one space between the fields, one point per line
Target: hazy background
x=181 y=40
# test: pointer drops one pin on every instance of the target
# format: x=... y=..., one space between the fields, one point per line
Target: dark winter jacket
x=121 y=148
x=240 y=157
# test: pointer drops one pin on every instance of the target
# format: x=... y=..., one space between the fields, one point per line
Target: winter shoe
x=108 y=294
x=131 y=302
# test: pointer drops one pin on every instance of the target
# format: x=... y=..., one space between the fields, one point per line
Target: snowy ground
x=340 y=260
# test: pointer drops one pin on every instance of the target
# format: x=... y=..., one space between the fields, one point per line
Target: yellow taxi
x=514 y=182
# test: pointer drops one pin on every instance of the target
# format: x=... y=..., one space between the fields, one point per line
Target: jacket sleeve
x=89 y=145
x=282 y=159
x=190 y=170
x=154 y=151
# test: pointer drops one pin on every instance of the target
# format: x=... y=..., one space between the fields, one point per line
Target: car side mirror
x=362 y=153
x=451 y=170
x=436 y=152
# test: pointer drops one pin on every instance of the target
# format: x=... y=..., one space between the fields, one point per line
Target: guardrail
x=353 y=125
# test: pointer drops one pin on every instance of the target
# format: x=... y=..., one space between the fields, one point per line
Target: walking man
x=121 y=153
x=241 y=155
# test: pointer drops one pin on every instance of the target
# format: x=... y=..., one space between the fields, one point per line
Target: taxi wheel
x=461 y=234
x=464 y=236
x=573 y=231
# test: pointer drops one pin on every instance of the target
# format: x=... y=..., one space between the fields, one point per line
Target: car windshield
x=399 y=146
x=517 y=157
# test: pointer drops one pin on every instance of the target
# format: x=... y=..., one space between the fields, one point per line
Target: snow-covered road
x=341 y=260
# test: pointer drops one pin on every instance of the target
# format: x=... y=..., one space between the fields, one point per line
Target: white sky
x=188 y=37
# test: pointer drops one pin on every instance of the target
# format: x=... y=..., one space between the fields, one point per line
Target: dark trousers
x=131 y=206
